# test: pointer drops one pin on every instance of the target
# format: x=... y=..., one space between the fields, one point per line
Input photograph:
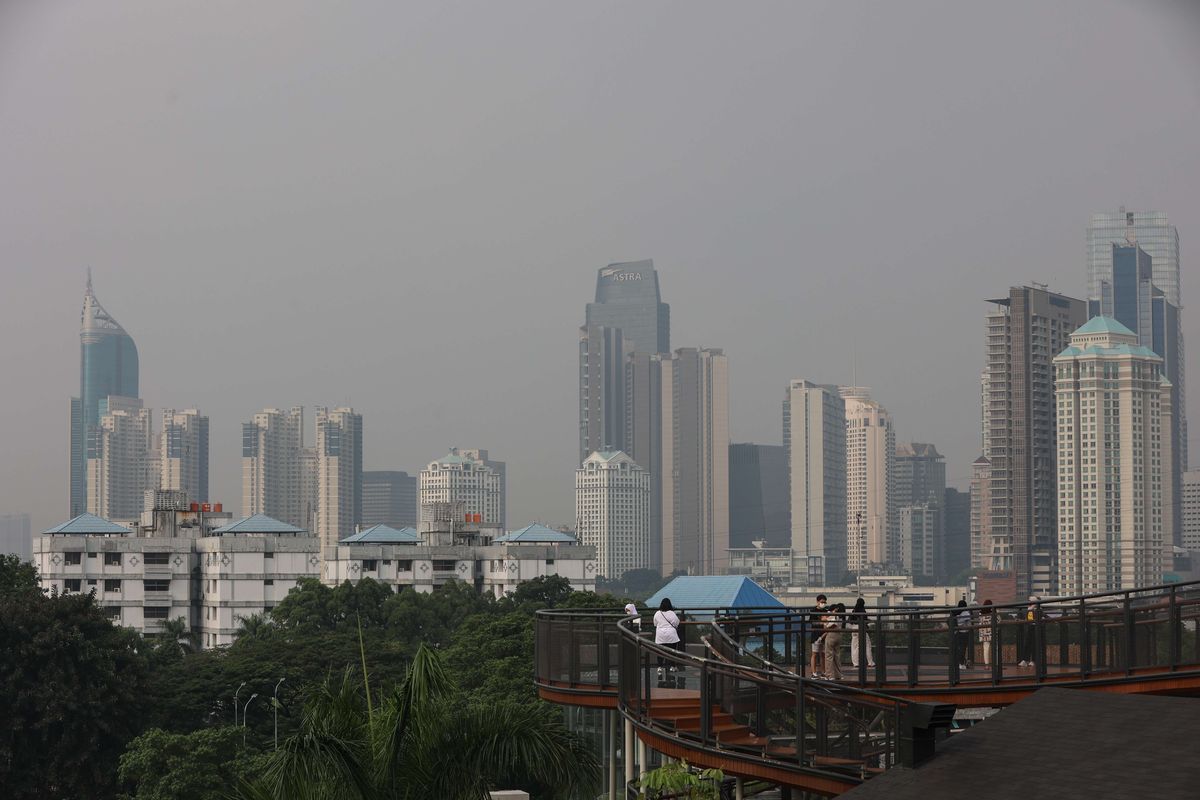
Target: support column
x=739 y=789
x=612 y=755
x=627 y=751
x=641 y=761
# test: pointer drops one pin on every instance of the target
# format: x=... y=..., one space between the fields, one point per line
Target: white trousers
x=854 y=650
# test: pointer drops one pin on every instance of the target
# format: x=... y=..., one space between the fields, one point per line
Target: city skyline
x=282 y=293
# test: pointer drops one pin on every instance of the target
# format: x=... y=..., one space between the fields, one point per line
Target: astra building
x=462 y=477
x=389 y=498
x=871 y=511
x=339 y=473
x=612 y=512
x=183 y=453
x=814 y=436
x=1114 y=408
x=108 y=367
x=1024 y=333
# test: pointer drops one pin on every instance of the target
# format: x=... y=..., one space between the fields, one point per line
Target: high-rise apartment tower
x=612 y=512
x=814 y=435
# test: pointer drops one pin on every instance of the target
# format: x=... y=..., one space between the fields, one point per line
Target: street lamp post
x=235 y=705
x=246 y=708
x=276 y=703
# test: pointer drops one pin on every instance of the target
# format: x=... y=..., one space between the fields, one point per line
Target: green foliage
x=72 y=693
x=545 y=591
x=201 y=765
x=17 y=576
x=677 y=779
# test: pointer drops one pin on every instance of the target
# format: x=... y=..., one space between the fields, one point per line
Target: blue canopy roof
x=258 y=523
x=382 y=534
x=536 y=534
x=714 y=591
x=87 y=523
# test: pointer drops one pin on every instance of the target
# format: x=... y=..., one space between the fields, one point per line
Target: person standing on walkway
x=666 y=634
x=962 y=633
x=816 y=631
x=858 y=622
x=834 y=623
x=987 y=624
x=1029 y=634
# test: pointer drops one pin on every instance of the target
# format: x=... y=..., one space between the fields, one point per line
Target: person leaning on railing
x=833 y=624
x=858 y=621
x=987 y=622
x=666 y=634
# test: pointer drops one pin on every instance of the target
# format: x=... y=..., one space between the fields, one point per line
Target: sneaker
x=1023 y=664
x=962 y=666
x=660 y=672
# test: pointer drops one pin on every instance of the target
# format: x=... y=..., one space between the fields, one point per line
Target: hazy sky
x=402 y=206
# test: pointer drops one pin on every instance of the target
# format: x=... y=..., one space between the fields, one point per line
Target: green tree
x=544 y=591
x=255 y=626
x=679 y=780
x=421 y=741
x=72 y=691
x=17 y=576
x=202 y=765
x=177 y=636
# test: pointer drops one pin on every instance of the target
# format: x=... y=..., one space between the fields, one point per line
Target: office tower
x=649 y=406
x=119 y=463
x=272 y=482
x=16 y=536
x=501 y=470
x=339 y=474
x=917 y=544
x=183 y=453
x=108 y=366
x=814 y=435
x=1024 y=333
x=602 y=355
x=612 y=512
x=1113 y=408
x=758 y=496
x=956 y=534
x=921 y=482
x=981 y=513
x=310 y=486
x=1153 y=231
x=460 y=477
x=389 y=498
x=1189 y=511
x=1127 y=289
x=628 y=299
x=695 y=462
x=871 y=519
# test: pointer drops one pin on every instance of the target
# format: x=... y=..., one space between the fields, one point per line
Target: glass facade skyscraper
x=1153 y=231
x=108 y=366
x=627 y=298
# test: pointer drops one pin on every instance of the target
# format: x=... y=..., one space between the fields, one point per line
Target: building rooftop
x=88 y=523
x=382 y=534
x=1060 y=743
x=1104 y=325
x=258 y=523
x=714 y=591
x=535 y=534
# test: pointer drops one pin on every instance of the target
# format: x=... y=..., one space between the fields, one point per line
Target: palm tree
x=255 y=626
x=420 y=742
x=179 y=633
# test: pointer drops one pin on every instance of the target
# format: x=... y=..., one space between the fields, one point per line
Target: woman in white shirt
x=666 y=634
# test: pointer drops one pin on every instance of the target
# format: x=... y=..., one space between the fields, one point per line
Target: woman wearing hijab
x=858 y=621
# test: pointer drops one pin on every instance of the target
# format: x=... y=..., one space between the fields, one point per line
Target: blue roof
x=714 y=591
x=87 y=523
x=1104 y=325
x=258 y=523
x=382 y=534
x=535 y=534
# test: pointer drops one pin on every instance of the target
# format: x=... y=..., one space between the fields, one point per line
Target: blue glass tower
x=108 y=366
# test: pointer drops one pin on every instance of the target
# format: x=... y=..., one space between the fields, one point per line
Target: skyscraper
x=108 y=366
x=119 y=464
x=1189 y=512
x=695 y=462
x=501 y=470
x=612 y=512
x=602 y=354
x=1154 y=232
x=628 y=299
x=758 y=496
x=956 y=534
x=871 y=509
x=183 y=453
x=462 y=477
x=1113 y=415
x=16 y=537
x=814 y=435
x=649 y=405
x=272 y=481
x=389 y=498
x=1024 y=333
x=981 y=513
x=921 y=485
x=339 y=473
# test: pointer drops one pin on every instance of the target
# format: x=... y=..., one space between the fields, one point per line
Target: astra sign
x=620 y=274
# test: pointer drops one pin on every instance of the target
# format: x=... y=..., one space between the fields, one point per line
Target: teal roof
x=382 y=534
x=714 y=591
x=87 y=523
x=1109 y=350
x=1104 y=325
x=258 y=523
x=536 y=534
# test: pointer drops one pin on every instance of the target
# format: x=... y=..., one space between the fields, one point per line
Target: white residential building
x=1189 y=509
x=871 y=518
x=814 y=435
x=461 y=477
x=120 y=464
x=272 y=483
x=339 y=473
x=183 y=453
x=1113 y=412
x=612 y=512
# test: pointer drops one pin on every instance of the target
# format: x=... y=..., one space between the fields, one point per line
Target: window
x=404 y=565
x=156 y=559
x=369 y=565
x=73 y=558
x=156 y=586
x=91 y=555
x=549 y=561
x=269 y=582
x=91 y=581
x=72 y=585
x=156 y=612
x=112 y=559
x=443 y=566
x=112 y=585
x=269 y=554
x=387 y=562
x=112 y=612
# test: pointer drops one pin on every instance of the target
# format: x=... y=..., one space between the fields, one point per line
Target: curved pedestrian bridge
x=741 y=697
